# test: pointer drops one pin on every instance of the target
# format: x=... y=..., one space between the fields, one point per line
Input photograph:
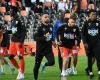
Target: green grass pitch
x=52 y=73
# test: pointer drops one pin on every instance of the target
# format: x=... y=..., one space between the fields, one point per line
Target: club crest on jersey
x=69 y=36
x=50 y=29
x=97 y=24
x=43 y=29
x=65 y=28
x=89 y=24
x=74 y=30
x=14 y=30
x=93 y=32
x=16 y=22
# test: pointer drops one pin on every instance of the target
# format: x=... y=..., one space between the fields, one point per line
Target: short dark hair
x=23 y=8
x=67 y=11
x=90 y=11
x=91 y=2
x=74 y=17
x=60 y=11
x=46 y=13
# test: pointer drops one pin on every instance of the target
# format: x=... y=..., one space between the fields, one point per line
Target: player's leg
x=60 y=61
x=50 y=59
x=20 y=54
x=97 y=57
x=75 y=59
x=2 y=62
x=14 y=62
x=69 y=66
x=69 y=63
x=87 y=69
x=12 y=53
x=38 y=60
x=65 y=53
x=6 y=62
x=2 y=65
x=90 y=57
x=21 y=68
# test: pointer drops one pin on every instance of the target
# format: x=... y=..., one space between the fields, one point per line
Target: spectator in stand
x=38 y=9
x=91 y=5
x=54 y=6
x=66 y=5
x=61 y=5
x=75 y=7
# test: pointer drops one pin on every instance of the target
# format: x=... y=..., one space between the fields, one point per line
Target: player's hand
x=86 y=45
x=59 y=43
x=1 y=51
x=54 y=44
x=48 y=36
x=19 y=54
x=61 y=52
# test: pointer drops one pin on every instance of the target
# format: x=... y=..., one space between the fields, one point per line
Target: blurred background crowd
x=33 y=9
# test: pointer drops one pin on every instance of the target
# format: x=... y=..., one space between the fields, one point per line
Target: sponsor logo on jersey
x=74 y=30
x=65 y=28
x=97 y=24
x=69 y=36
x=89 y=24
x=93 y=32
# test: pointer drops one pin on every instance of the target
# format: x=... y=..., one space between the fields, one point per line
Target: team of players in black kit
x=67 y=39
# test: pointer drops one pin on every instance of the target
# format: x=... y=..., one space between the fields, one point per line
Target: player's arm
x=59 y=35
x=78 y=37
x=84 y=32
x=84 y=35
x=1 y=37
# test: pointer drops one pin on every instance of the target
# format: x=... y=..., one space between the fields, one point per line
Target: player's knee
x=20 y=57
x=11 y=57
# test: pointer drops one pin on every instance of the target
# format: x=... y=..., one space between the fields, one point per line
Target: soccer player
x=91 y=35
x=63 y=18
x=75 y=54
x=4 y=51
x=68 y=37
x=1 y=35
x=56 y=25
x=44 y=39
x=1 y=38
x=17 y=45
